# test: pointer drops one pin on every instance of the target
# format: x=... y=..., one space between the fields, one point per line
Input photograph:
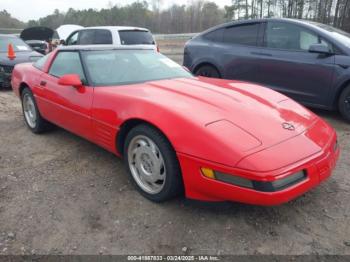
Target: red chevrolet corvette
x=214 y=139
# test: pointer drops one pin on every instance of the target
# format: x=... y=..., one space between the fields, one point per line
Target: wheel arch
x=207 y=64
x=21 y=87
x=129 y=124
x=340 y=90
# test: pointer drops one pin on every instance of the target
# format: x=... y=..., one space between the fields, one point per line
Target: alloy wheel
x=146 y=164
x=29 y=109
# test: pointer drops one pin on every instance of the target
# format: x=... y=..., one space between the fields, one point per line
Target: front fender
x=187 y=136
x=341 y=79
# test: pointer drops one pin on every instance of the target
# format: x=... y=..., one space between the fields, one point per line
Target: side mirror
x=320 y=48
x=70 y=80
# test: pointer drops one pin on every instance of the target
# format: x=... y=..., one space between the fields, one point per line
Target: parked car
x=21 y=53
x=38 y=37
x=63 y=31
x=308 y=61
x=41 y=47
x=112 y=35
x=216 y=139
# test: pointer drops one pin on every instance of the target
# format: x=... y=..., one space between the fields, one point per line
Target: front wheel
x=152 y=164
x=31 y=114
x=344 y=103
x=207 y=71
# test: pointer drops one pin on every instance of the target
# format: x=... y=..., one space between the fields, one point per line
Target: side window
x=246 y=34
x=307 y=39
x=41 y=62
x=67 y=63
x=288 y=36
x=136 y=37
x=215 y=36
x=73 y=39
x=331 y=47
x=103 y=37
x=86 y=37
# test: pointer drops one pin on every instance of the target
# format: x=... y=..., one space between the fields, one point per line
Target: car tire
x=344 y=103
x=207 y=71
x=35 y=122
x=152 y=164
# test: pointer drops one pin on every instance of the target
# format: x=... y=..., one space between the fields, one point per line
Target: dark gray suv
x=307 y=61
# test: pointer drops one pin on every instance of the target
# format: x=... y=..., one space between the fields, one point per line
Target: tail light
x=158 y=50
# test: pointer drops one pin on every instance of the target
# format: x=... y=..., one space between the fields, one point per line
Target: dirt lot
x=60 y=194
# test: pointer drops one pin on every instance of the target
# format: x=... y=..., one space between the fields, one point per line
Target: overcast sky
x=25 y=10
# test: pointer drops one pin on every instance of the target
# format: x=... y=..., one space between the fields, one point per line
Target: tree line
x=331 y=12
x=196 y=16
x=7 y=21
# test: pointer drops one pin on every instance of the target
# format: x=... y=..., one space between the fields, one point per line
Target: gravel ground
x=60 y=194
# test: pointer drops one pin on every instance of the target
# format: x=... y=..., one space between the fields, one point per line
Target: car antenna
x=10 y=52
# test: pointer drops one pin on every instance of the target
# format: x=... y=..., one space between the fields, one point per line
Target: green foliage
x=195 y=17
x=333 y=12
x=6 y=21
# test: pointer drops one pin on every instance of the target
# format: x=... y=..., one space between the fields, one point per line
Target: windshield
x=120 y=67
x=338 y=34
x=18 y=44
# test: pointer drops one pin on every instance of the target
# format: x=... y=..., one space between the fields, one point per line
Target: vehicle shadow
x=6 y=90
x=333 y=115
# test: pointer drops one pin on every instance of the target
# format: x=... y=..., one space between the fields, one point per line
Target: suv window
x=86 y=37
x=103 y=37
x=288 y=36
x=67 y=63
x=136 y=37
x=73 y=39
x=91 y=37
x=215 y=36
x=246 y=34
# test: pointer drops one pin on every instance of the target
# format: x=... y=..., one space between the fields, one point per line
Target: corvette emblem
x=288 y=126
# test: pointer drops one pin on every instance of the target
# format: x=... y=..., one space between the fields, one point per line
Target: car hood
x=222 y=121
x=37 y=33
x=65 y=30
x=266 y=116
x=21 y=57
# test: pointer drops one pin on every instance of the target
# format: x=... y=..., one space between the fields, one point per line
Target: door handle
x=43 y=83
x=260 y=54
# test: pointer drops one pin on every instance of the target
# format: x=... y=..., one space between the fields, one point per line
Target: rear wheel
x=152 y=163
x=207 y=71
x=344 y=103
x=31 y=114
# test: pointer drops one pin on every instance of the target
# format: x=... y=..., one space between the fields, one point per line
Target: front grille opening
x=8 y=69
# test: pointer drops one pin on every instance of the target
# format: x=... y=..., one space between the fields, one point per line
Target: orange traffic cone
x=10 y=52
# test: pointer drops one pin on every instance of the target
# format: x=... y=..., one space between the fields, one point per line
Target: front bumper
x=5 y=76
x=317 y=167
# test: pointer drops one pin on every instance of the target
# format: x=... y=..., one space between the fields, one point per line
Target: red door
x=67 y=106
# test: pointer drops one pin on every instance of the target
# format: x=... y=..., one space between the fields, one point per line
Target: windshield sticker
x=22 y=47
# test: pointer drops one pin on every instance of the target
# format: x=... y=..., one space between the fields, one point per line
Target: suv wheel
x=344 y=103
x=207 y=71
